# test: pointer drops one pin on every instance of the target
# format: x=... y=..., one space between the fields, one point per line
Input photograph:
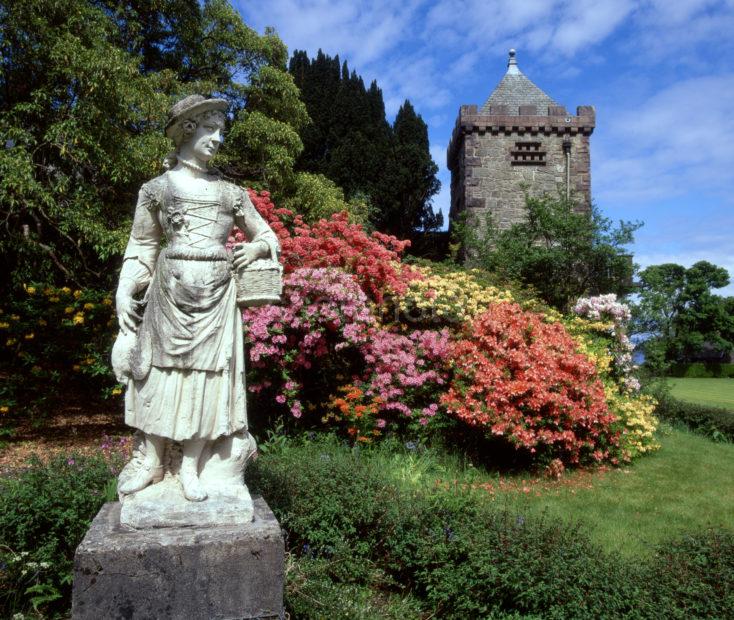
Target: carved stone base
x=164 y=505
x=198 y=573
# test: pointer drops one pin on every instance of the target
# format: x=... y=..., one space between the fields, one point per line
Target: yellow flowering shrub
x=447 y=298
x=47 y=336
x=635 y=412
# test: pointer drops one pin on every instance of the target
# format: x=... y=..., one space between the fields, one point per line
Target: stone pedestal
x=218 y=572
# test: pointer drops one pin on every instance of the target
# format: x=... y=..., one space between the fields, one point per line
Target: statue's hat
x=191 y=106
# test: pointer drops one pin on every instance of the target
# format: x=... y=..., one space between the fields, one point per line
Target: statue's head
x=187 y=115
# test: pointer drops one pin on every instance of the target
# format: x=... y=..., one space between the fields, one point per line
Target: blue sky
x=659 y=72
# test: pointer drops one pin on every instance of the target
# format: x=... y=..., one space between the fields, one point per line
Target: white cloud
x=587 y=22
x=680 y=138
x=563 y=26
x=361 y=31
x=683 y=32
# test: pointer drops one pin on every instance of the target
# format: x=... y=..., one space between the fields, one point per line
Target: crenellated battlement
x=519 y=140
x=522 y=120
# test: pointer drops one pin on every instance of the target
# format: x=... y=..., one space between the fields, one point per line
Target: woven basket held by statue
x=260 y=283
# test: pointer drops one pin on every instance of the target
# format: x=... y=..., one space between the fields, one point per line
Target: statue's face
x=207 y=138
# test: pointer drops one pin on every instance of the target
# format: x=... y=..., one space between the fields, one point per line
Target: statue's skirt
x=194 y=384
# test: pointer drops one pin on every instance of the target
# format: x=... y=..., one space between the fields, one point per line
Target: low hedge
x=45 y=512
x=362 y=545
x=713 y=422
x=447 y=555
x=702 y=370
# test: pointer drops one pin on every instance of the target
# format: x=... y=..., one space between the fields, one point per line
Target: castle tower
x=519 y=138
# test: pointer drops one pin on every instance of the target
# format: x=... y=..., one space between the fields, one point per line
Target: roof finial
x=512 y=67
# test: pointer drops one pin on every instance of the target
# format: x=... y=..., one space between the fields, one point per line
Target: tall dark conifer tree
x=351 y=142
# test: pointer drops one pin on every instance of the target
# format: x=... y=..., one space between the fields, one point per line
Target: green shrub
x=313 y=593
x=44 y=513
x=702 y=370
x=364 y=543
x=351 y=526
x=693 y=576
x=710 y=421
x=51 y=336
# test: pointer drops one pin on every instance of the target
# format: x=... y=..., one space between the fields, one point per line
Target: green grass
x=685 y=486
x=713 y=392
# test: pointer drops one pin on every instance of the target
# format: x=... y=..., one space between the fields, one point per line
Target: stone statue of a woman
x=180 y=348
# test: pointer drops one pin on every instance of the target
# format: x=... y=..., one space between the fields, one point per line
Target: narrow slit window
x=527 y=154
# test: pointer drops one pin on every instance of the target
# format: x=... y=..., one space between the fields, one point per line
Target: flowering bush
x=357 y=412
x=447 y=299
x=50 y=334
x=325 y=314
x=599 y=328
x=603 y=307
x=635 y=411
x=521 y=378
x=325 y=339
x=406 y=373
x=373 y=259
x=607 y=315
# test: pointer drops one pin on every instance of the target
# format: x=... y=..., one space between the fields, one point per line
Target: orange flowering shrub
x=521 y=378
x=357 y=412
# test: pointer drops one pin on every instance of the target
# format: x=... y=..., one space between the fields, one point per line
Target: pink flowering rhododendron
x=408 y=373
x=521 y=378
x=325 y=311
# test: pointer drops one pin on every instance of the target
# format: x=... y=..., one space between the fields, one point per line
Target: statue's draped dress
x=188 y=370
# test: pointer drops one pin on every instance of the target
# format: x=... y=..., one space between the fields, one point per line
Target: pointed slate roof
x=515 y=89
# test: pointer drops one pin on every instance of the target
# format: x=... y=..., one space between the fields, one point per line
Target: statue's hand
x=244 y=253
x=127 y=313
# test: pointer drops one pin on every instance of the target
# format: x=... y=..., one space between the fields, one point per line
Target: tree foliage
x=563 y=254
x=85 y=86
x=684 y=319
x=351 y=142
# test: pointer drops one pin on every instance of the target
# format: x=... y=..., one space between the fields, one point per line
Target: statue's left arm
x=263 y=241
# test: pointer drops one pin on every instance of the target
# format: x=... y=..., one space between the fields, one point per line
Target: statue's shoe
x=192 y=489
x=147 y=474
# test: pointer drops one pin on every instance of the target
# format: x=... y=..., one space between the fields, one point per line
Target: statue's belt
x=191 y=253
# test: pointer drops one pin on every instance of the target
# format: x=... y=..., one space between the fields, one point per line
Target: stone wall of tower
x=486 y=156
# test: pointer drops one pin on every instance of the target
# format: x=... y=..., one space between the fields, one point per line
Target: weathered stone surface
x=164 y=505
x=484 y=178
x=181 y=350
x=226 y=572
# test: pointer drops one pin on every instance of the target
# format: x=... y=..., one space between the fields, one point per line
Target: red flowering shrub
x=521 y=378
x=374 y=259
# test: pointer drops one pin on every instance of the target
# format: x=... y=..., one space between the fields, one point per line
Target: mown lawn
x=685 y=486
x=713 y=392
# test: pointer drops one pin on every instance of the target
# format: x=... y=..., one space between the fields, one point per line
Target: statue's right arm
x=139 y=261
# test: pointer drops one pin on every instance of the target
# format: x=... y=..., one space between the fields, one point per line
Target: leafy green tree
x=85 y=86
x=682 y=317
x=79 y=119
x=563 y=254
x=315 y=196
